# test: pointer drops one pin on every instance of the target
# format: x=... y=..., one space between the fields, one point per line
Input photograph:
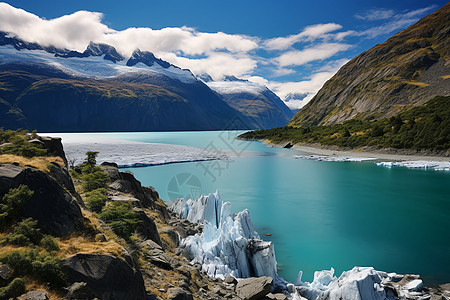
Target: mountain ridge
x=405 y=71
x=55 y=90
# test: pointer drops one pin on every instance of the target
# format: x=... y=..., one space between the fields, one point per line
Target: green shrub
x=49 y=243
x=423 y=127
x=96 y=199
x=14 y=289
x=43 y=267
x=121 y=217
x=95 y=180
x=18 y=143
x=12 y=203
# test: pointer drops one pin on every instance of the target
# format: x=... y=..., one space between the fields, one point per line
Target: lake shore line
x=379 y=154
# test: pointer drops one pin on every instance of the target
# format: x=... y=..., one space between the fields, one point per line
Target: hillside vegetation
x=404 y=72
x=424 y=127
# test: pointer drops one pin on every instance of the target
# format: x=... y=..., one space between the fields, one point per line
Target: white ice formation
x=229 y=244
x=333 y=158
x=429 y=165
x=131 y=154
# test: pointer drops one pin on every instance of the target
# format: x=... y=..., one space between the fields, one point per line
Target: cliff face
x=406 y=71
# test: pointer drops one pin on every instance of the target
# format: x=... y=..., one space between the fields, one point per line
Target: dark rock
x=254 y=288
x=230 y=280
x=288 y=146
x=147 y=228
x=154 y=253
x=53 y=207
x=5 y=274
x=125 y=182
x=61 y=175
x=105 y=277
x=172 y=234
x=54 y=146
x=178 y=294
x=34 y=295
x=112 y=170
x=146 y=58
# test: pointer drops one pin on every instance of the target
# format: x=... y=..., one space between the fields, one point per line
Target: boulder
x=126 y=183
x=104 y=277
x=34 y=295
x=154 y=253
x=178 y=294
x=230 y=280
x=5 y=274
x=147 y=228
x=254 y=288
x=56 y=211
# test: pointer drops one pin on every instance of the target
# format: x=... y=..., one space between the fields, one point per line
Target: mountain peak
x=146 y=58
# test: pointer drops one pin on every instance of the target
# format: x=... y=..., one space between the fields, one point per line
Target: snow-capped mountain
x=52 y=89
x=252 y=99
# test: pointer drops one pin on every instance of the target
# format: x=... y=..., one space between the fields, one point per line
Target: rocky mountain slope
x=253 y=100
x=53 y=89
x=407 y=70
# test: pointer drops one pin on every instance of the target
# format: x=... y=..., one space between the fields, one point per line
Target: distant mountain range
x=406 y=71
x=52 y=89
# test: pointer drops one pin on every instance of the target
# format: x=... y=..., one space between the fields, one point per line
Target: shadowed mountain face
x=51 y=89
x=407 y=70
x=253 y=100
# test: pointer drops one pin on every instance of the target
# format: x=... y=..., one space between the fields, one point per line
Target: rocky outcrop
x=56 y=211
x=103 y=276
x=407 y=70
x=254 y=288
x=178 y=294
x=34 y=295
x=125 y=182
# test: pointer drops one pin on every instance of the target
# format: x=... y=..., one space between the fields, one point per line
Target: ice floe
x=333 y=158
x=429 y=165
x=229 y=244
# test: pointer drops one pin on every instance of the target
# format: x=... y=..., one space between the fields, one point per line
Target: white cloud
x=316 y=52
x=310 y=33
x=214 y=53
x=72 y=31
x=376 y=14
x=216 y=64
x=310 y=86
x=397 y=22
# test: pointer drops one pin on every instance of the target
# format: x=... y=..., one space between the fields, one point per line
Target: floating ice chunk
x=333 y=158
x=431 y=165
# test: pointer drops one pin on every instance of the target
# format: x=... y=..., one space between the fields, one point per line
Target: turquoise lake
x=318 y=214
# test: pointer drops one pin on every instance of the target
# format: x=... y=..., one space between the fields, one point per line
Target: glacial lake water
x=318 y=214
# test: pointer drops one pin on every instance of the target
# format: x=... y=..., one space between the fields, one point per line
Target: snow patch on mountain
x=233 y=87
x=92 y=66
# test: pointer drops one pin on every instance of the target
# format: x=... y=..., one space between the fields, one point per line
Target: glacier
x=128 y=154
x=229 y=244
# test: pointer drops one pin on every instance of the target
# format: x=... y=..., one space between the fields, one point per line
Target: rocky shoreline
x=391 y=154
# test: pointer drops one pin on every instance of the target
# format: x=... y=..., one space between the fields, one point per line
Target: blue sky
x=290 y=46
